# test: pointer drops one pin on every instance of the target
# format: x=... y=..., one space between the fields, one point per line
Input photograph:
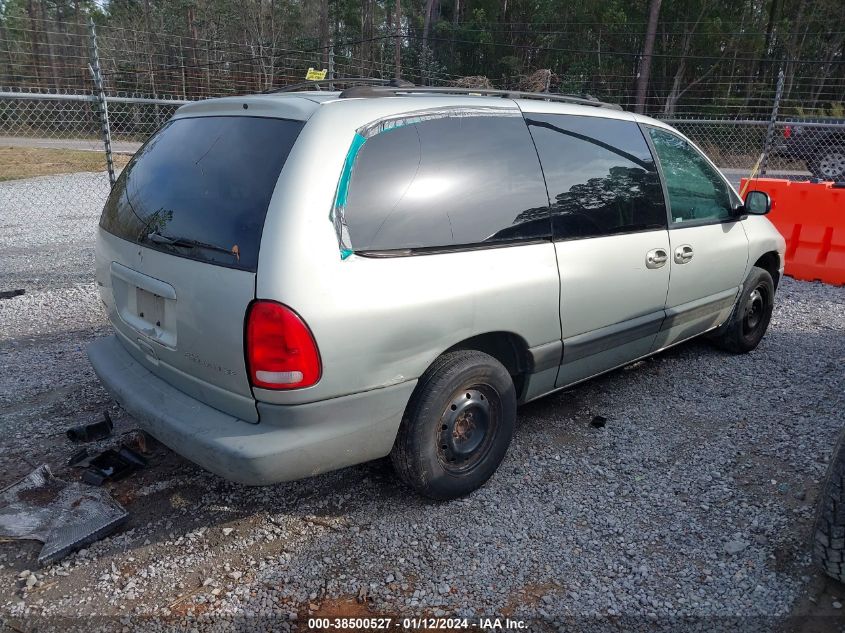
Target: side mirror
x=757 y=203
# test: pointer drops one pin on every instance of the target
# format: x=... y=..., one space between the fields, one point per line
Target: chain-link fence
x=816 y=146
x=49 y=116
x=53 y=176
x=799 y=149
x=54 y=146
x=53 y=170
x=52 y=152
x=52 y=161
x=737 y=146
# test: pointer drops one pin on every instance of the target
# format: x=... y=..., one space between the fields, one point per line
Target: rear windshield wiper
x=187 y=242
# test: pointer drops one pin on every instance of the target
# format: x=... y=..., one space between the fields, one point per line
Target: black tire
x=829 y=530
x=750 y=319
x=457 y=426
x=828 y=163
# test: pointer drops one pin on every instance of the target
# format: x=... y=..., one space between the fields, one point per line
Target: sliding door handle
x=656 y=258
x=683 y=254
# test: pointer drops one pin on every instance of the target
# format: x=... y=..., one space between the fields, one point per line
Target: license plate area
x=145 y=304
x=150 y=315
x=150 y=307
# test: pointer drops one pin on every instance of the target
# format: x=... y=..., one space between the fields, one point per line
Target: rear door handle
x=656 y=258
x=683 y=254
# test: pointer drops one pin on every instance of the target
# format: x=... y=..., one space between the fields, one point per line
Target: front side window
x=446 y=182
x=601 y=176
x=697 y=193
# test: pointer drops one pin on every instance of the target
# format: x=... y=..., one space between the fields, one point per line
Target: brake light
x=280 y=350
x=787 y=131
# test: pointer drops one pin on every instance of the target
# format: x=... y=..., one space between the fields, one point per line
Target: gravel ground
x=690 y=509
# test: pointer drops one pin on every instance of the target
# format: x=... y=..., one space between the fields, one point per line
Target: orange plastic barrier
x=811 y=217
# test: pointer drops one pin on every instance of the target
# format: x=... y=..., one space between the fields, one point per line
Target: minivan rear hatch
x=179 y=249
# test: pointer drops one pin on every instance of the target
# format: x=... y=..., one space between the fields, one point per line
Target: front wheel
x=750 y=319
x=457 y=427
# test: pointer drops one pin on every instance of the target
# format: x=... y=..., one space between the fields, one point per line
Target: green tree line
x=670 y=57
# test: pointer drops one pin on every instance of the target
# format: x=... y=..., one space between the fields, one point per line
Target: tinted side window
x=200 y=187
x=600 y=173
x=447 y=182
x=696 y=191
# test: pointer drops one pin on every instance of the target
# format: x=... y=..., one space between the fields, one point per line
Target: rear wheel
x=829 y=164
x=750 y=319
x=457 y=427
x=829 y=532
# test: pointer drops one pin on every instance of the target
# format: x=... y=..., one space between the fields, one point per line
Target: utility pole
x=331 y=62
x=770 y=130
x=324 y=31
x=397 y=51
x=100 y=98
x=648 y=49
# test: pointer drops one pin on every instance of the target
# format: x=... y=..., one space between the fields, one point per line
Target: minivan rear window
x=200 y=187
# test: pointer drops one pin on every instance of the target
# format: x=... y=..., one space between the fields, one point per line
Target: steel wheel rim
x=467 y=428
x=755 y=310
x=832 y=165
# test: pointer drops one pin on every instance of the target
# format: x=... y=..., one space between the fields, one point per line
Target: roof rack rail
x=386 y=91
x=316 y=83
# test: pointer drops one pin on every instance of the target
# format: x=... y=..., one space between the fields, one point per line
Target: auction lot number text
x=413 y=624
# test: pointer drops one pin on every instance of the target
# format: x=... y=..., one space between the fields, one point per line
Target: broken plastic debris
x=91 y=432
x=64 y=516
x=78 y=457
x=111 y=465
x=132 y=457
x=139 y=441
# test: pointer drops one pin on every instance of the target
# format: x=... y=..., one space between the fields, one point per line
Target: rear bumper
x=289 y=443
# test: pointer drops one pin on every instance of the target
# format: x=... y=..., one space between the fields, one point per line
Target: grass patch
x=27 y=162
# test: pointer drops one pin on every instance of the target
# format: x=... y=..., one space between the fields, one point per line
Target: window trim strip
x=457 y=248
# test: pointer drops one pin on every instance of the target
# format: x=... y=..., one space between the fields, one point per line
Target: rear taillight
x=787 y=131
x=280 y=350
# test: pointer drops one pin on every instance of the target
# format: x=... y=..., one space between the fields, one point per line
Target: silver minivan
x=306 y=280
